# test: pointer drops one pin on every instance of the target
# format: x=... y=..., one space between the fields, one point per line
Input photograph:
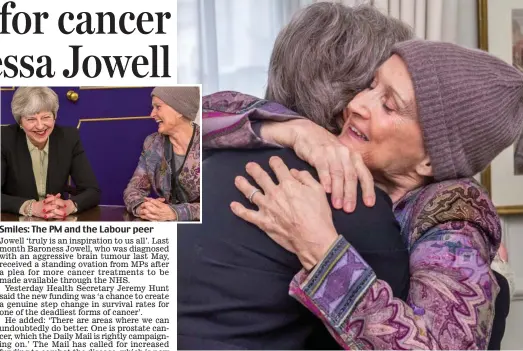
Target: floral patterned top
x=154 y=173
x=452 y=231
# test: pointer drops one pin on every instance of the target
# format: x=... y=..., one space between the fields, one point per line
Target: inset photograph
x=101 y=153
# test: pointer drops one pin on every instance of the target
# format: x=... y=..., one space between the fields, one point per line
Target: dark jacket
x=233 y=280
x=66 y=158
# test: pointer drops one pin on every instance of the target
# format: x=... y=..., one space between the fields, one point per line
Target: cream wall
x=513 y=237
x=512 y=225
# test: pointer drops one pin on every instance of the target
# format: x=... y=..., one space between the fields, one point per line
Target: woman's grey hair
x=28 y=101
x=326 y=55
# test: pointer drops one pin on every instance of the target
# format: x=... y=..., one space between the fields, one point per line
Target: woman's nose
x=361 y=104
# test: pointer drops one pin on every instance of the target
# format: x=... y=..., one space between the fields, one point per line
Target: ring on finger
x=256 y=190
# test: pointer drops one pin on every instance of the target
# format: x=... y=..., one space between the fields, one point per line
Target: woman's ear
x=424 y=168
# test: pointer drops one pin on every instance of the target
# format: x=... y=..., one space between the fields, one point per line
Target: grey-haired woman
x=38 y=157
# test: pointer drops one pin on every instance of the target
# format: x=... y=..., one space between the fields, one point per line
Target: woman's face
x=166 y=117
x=381 y=122
x=38 y=127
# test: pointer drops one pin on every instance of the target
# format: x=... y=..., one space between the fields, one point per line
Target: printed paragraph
x=85 y=292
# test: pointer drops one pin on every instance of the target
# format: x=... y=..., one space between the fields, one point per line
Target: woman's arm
x=12 y=204
x=450 y=304
x=138 y=187
x=84 y=178
x=187 y=211
x=452 y=292
x=234 y=120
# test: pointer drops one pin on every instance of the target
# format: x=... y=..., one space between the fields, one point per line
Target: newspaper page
x=87 y=233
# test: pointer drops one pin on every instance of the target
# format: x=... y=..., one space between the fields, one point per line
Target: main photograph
x=342 y=207
x=101 y=153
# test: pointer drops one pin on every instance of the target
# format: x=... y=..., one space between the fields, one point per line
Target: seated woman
x=170 y=161
x=38 y=157
x=424 y=127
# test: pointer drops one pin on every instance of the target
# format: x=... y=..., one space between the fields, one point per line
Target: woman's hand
x=338 y=168
x=57 y=208
x=295 y=213
x=155 y=210
x=47 y=209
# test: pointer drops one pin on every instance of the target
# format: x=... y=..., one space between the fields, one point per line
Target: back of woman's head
x=326 y=55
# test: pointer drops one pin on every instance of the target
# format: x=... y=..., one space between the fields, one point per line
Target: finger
x=161 y=199
x=144 y=217
x=60 y=203
x=366 y=181
x=156 y=203
x=50 y=215
x=247 y=190
x=49 y=208
x=152 y=216
x=305 y=178
x=337 y=178
x=49 y=199
x=149 y=206
x=280 y=169
x=322 y=167
x=59 y=213
x=260 y=177
x=350 y=181
x=250 y=216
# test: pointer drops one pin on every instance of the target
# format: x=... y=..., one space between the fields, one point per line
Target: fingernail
x=369 y=200
x=337 y=203
x=349 y=206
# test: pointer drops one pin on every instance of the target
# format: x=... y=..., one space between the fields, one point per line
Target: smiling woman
x=38 y=157
x=170 y=161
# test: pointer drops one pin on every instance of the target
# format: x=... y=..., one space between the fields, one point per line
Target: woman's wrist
x=316 y=252
x=36 y=208
x=70 y=207
x=282 y=133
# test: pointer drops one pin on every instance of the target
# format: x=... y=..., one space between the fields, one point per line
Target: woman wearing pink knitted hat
x=169 y=165
x=435 y=115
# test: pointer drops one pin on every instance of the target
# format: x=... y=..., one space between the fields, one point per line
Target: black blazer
x=66 y=158
x=233 y=280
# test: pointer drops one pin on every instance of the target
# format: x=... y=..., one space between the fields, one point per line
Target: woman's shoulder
x=153 y=140
x=454 y=202
x=10 y=131
x=467 y=191
x=66 y=132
